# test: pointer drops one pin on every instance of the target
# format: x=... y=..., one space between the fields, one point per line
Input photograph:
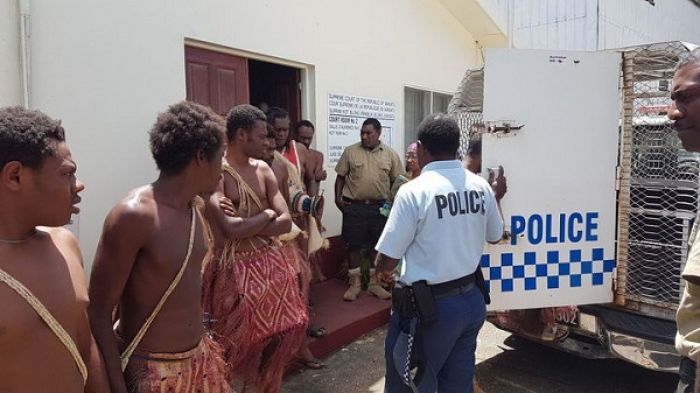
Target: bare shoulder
x=262 y=168
x=317 y=156
x=61 y=235
x=137 y=210
x=226 y=181
x=279 y=167
x=262 y=162
x=65 y=240
x=303 y=151
x=301 y=148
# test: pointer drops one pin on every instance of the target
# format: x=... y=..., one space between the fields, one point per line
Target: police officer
x=438 y=225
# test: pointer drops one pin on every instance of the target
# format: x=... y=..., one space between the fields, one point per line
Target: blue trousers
x=447 y=346
x=686 y=372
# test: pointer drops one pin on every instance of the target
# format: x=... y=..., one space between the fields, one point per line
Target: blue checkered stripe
x=558 y=270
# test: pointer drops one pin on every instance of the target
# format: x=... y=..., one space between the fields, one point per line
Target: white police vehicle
x=601 y=197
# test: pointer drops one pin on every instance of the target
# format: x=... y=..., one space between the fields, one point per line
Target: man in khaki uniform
x=685 y=113
x=366 y=171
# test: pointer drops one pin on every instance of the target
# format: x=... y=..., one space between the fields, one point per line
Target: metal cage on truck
x=657 y=204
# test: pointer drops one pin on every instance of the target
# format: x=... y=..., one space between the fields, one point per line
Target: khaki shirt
x=369 y=173
x=688 y=315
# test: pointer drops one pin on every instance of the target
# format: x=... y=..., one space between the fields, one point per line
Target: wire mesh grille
x=659 y=193
x=466 y=107
x=658 y=199
x=470 y=125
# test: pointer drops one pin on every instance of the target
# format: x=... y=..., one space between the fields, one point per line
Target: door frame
x=307 y=72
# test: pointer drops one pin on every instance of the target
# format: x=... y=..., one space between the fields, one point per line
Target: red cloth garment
x=290 y=153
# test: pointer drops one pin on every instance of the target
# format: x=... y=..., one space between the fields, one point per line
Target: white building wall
x=10 y=85
x=629 y=23
x=107 y=68
x=594 y=24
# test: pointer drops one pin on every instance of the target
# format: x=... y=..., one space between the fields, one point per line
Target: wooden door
x=215 y=79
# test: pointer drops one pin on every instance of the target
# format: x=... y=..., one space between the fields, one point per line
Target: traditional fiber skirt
x=258 y=313
x=294 y=255
x=199 y=370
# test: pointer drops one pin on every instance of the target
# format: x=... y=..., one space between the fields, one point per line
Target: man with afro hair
x=44 y=331
x=149 y=262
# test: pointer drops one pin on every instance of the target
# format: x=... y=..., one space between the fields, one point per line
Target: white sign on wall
x=346 y=113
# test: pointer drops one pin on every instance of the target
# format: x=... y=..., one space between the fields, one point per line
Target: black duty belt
x=450 y=288
x=418 y=299
x=365 y=201
x=454 y=287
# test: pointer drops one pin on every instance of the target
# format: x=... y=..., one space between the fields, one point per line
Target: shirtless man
x=281 y=167
x=304 y=134
x=250 y=287
x=278 y=167
x=147 y=238
x=38 y=187
x=295 y=152
x=290 y=248
x=306 y=171
x=288 y=178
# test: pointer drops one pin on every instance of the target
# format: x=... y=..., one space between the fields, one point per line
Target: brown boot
x=375 y=287
x=355 y=279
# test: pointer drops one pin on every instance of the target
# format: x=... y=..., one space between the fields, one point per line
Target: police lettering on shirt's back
x=439 y=223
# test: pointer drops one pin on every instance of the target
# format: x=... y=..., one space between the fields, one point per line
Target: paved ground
x=505 y=365
x=357 y=368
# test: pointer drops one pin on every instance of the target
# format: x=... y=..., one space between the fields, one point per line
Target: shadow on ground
x=526 y=367
x=506 y=364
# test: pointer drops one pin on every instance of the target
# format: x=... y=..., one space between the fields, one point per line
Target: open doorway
x=222 y=81
x=276 y=85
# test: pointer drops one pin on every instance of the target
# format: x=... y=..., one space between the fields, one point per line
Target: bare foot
x=308 y=360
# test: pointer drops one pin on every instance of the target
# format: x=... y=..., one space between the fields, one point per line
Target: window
x=419 y=104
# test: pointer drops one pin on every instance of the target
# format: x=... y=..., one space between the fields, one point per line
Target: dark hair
x=275 y=113
x=181 y=132
x=28 y=136
x=373 y=122
x=439 y=134
x=242 y=116
x=270 y=131
x=474 y=148
x=689 y=58
x=304 y=123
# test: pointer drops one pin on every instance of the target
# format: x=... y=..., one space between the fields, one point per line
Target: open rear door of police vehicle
x=552 y=122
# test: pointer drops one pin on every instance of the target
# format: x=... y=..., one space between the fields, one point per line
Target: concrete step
x=344 y=321
x=330 y=259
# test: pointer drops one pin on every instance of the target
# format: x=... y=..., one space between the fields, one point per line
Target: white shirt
x=439 y=223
